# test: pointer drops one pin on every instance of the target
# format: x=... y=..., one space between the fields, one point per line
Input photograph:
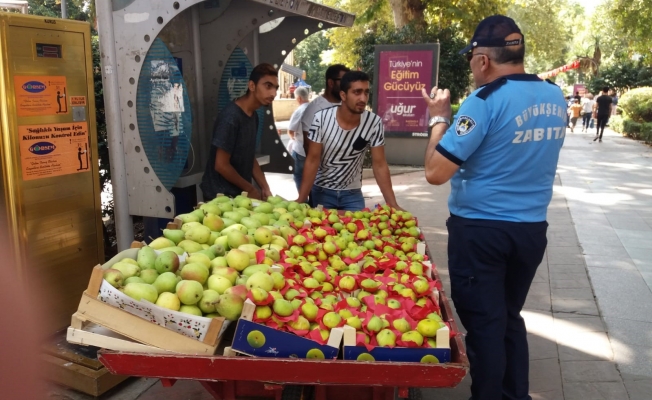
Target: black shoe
x=600 y=140
x=596 y=138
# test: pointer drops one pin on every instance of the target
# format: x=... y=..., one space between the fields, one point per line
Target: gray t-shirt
x=235 y=133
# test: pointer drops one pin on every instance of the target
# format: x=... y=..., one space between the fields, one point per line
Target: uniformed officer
x=500 y=154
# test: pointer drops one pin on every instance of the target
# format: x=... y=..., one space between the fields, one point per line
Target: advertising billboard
x=400 y=72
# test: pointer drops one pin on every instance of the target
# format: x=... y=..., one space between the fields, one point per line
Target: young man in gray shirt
x=232 y=163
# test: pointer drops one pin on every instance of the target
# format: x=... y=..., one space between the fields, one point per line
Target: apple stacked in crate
x=309 y=271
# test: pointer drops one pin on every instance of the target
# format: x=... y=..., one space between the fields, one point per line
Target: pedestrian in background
x=587 y=110
x=603 y=106
x=575 y=111
x=501 y=160
x=295 y=131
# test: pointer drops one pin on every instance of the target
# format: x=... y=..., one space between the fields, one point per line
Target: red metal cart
x=228 y=378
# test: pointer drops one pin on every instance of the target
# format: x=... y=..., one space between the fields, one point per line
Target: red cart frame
x=227 y=378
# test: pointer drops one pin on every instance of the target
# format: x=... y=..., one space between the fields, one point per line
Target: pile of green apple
x=201 y=268
x=307 y=270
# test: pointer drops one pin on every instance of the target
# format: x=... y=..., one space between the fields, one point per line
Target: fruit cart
x=230 y=377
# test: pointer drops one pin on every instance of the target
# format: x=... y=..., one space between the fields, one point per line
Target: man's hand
x=253 y=193
x=438 y=102
x=396 y=207
x=266 y=193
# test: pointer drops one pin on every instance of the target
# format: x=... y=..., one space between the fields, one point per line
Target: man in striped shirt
x=337 y=142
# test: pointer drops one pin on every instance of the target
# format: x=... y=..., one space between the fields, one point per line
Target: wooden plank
x=87 y=380
x=335 y=337
x=98 y=336
x=94 y=284
x=139 y=329
x=229 y=352
x=213 y=331
x=70 y=355
x=349 y=335
x=77 y=321
x=443 y=338
x=248 y=310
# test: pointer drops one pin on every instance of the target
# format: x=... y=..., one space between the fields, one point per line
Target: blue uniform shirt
x=506 y=138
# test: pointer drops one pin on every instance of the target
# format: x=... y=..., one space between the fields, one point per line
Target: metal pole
x=64 y=9
x=204 y=139
x=124 y=227
x=256 y=47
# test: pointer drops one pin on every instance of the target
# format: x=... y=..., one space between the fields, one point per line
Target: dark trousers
x=602 y=122
x=586 y=120
x=491 y=266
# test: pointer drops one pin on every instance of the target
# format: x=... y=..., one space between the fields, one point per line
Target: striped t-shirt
x=343 y=150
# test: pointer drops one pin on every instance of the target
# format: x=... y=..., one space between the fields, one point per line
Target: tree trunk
x=406 y=11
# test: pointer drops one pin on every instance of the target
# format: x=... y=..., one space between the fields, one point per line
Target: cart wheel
x=297 y=392
x=413 y=394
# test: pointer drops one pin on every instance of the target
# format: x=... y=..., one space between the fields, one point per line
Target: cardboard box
x=259 y=340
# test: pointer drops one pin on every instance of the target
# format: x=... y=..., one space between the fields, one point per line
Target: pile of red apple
x=359 y=269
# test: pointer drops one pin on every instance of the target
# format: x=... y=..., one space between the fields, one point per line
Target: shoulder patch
x=464 y=125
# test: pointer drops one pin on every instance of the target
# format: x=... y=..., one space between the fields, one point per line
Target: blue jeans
x=348 y=200
x=299 y=162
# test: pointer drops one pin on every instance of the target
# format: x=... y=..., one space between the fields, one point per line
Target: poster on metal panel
x=51 y=150
x=400 y=72
x=40 y=95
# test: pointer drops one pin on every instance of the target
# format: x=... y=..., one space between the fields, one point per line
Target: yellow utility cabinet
x=50 y=178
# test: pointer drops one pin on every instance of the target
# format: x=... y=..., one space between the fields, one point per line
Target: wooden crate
x=91 y=309
x=76 y=367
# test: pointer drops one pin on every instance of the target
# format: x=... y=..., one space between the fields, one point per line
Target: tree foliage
x=52 y=8
x=621 y=76
x=308 y=56
x=634 y=19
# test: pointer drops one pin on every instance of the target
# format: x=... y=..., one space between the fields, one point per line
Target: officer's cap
x=492 y=31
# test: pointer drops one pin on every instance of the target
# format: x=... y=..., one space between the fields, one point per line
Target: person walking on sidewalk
x=338 y=140
x=587 y=110
x=603 y=106
x=295 y=132
x=575 y=111
x=500 y=154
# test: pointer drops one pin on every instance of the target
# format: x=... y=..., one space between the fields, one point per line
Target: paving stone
x=581 y=281
x=589 y=371
x=635 y=223
x=565 y=259
x=579 y=307
x=639 y=390
x=572 y=293
x=566 y=269
x=541 y=348
x=595 y=391
x=632 y=359
x=599 y=261
x=622 y=294
x=639 y=254
x=549 y=395
x=578 y=323
x=563 y=250
x=630 y=332
x=584 y=346
x=617 y=251
x=545 y=375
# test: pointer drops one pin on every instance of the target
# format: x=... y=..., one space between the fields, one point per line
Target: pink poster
x=401 y=74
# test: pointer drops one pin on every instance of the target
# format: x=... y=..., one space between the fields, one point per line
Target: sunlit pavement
x=589 y=310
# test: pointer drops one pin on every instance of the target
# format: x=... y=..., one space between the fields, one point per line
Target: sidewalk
x=589 y=310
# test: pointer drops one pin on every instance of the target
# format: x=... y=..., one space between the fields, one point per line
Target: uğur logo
x=34 y=87
x=42 y=148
